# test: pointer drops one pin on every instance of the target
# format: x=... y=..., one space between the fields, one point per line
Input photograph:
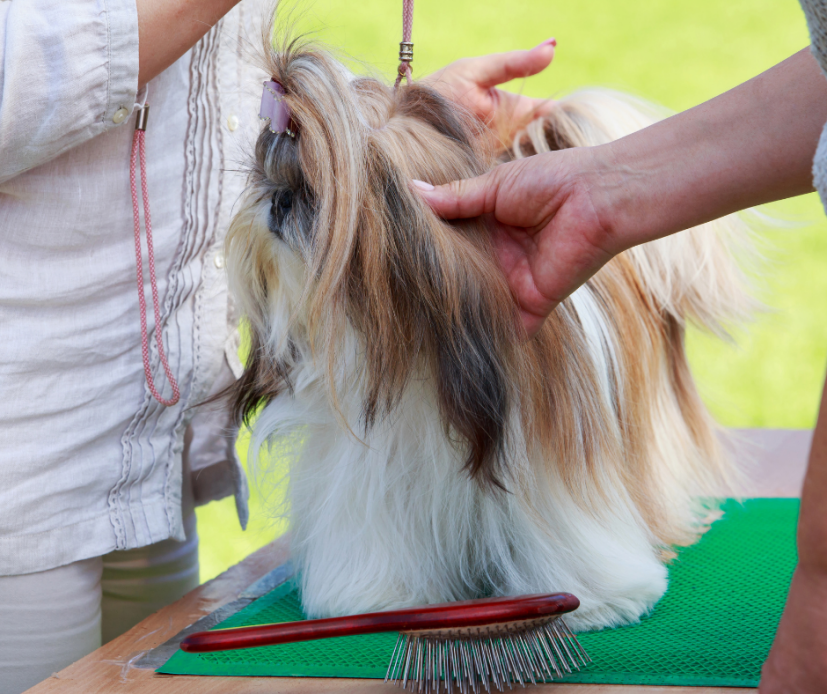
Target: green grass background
x=675 y=52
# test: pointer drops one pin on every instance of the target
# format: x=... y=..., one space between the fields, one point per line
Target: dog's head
x=336 y=259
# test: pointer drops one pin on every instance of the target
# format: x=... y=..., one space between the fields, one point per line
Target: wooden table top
x=775 y=461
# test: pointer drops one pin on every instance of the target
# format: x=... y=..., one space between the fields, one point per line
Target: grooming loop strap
x=406 y=47
x=139 y=151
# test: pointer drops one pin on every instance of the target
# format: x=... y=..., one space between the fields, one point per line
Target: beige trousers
x=52 y=618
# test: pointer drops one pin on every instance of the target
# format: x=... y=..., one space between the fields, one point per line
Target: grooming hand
x=559 y=217
x=545 y=228
x=472 y=83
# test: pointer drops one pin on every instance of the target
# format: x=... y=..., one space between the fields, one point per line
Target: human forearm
x=559 y=217
x=797 y=660
x=749 y=146
x=169 y=28
x=812 y=523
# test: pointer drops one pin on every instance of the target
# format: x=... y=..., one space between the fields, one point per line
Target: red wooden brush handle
x=453 y=615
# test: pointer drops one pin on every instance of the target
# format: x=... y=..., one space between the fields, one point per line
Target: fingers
x=498 y=68
x=470 y=197
x=532 y=322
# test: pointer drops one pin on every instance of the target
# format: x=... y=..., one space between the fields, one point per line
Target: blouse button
x=120 y=116
x=218 y=260
x=232 y=123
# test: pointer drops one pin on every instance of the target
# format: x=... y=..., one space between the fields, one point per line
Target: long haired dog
x=435 y=454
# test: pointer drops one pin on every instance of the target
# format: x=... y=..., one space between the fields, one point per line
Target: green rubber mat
x=713 y=627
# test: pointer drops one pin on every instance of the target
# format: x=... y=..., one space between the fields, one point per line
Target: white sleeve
x=67 y=67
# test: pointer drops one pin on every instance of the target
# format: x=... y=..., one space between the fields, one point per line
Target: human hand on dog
x=558 y=217
x=545 y=226
x=472 y=83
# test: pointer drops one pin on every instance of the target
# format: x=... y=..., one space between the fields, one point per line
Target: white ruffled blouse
x=89 y=461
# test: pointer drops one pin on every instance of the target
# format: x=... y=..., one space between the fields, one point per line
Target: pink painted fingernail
x=549 y=42
x=422 y=185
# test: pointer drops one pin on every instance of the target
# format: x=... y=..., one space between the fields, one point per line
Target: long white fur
x=390 y=520
x=394 y=522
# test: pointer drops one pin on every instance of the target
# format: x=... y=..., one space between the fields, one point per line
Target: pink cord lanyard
x=139 y=148
x=405 y=47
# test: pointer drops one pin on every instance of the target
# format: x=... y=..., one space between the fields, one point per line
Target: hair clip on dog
x=275 y=110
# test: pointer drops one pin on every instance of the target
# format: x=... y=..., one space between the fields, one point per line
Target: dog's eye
x=280 y=207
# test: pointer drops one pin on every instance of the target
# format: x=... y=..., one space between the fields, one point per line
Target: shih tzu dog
x=435 y=454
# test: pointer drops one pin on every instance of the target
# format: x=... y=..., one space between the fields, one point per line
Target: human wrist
x=622 y=193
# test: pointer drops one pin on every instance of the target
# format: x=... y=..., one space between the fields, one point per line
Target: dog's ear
x=263 y=379
x=473 y=387
x=423 y=295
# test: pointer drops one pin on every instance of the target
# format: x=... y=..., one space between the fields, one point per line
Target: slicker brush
x=455 y=647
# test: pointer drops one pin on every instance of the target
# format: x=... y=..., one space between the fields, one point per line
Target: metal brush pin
x=467 y=660
x=456 y=647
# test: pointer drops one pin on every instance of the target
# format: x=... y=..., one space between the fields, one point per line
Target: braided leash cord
x=406 y=47
x=139 y=147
